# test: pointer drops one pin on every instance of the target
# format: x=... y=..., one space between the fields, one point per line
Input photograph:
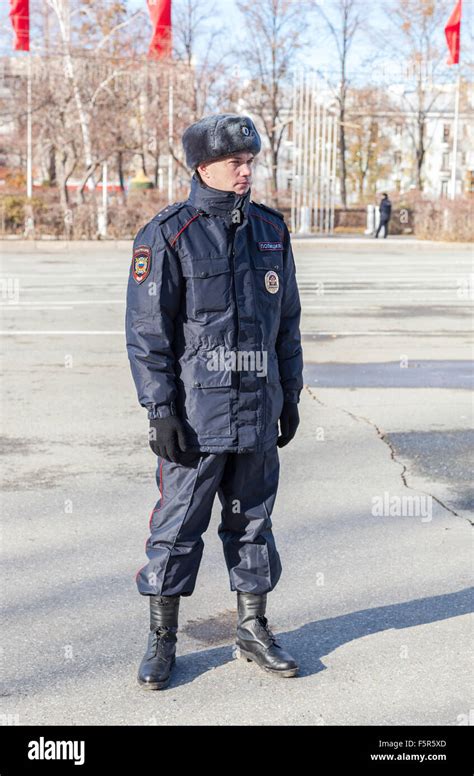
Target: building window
x=397 y=157
x=398 y=184
x=444 y=188
x=445 y=162
x=446 y=132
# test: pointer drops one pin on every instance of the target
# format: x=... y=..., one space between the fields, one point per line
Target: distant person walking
x=385 y=211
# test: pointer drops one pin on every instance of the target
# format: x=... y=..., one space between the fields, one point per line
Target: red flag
x=20 y=16
x=453 y=34
x=160 y=14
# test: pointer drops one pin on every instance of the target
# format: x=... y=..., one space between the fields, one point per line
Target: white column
x=29 y=163
x=455 y=138
x=102 y=215
x=293 y=161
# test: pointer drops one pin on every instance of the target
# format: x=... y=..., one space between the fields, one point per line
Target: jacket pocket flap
x=271 y=260
x=203 y=268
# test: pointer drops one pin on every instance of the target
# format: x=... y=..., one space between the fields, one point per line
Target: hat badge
x=245 y=130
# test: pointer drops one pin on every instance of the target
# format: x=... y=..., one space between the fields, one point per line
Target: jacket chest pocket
x=208 y=284
x=268 y=272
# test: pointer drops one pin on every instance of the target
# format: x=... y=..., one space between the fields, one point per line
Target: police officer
x=213 y=339
x=385 y=210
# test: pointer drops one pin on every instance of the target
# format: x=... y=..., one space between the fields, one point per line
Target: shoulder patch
x=141 y=263
x=270 y=209
x=167 y=212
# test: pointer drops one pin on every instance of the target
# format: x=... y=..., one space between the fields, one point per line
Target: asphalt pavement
x=373 y=518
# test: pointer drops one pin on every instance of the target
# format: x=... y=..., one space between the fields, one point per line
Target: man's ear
x=201 y=170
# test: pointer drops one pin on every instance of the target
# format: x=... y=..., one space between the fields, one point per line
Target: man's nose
x=246 y=170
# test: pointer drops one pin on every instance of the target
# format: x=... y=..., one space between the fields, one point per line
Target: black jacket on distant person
x=385 y=210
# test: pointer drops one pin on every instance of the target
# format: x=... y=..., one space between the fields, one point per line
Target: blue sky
x=322 y=56
x=227 y=13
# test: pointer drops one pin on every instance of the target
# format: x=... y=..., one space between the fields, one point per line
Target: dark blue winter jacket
x=213 y=319
x=385 y=209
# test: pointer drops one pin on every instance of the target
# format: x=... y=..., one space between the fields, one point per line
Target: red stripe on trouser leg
x=153 y=511
x=161 y=495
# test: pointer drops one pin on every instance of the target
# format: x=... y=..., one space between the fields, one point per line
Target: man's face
x=232 y=173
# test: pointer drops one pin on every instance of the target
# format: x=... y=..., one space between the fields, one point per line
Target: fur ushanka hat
x=220 y=135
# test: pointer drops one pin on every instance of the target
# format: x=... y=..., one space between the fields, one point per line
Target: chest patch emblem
x=270 y=246
x=272 y=282
x=141 y=263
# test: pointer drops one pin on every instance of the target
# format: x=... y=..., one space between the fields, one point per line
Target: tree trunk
x=156 y=171
x=275 y=177
x=420 y=153
x=342 y=151
x=52 y=166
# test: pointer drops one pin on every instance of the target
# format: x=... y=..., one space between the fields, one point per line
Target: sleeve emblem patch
x=141 y=263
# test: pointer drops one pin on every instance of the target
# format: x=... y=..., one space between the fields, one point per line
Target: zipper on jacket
x=232 y=255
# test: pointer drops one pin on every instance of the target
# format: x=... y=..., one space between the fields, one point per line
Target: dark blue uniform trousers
x=247 y=485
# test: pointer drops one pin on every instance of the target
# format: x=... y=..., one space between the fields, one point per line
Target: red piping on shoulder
x=280 y=231
x=183 y=228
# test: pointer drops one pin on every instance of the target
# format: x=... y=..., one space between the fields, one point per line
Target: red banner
x=453 y=34
x=160 y=15
x=20 y=16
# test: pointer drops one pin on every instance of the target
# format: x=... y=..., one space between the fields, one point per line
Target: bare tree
x=202 y=59
x=270 y=52
x=366 y=143
x=419 y=23
x=58 y=135
x=90 y=78
x=192 y=25
x=348 y=19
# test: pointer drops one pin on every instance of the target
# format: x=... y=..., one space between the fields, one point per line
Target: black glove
x=166 y=436
x=289 y=422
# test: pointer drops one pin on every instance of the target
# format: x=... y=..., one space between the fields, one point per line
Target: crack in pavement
x=382 y=436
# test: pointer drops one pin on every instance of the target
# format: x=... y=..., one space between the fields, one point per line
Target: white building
x=398 y=125
x=401 y=128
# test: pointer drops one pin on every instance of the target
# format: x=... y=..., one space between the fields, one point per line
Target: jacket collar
x=216 y=202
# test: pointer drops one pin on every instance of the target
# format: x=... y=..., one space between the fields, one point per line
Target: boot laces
x=264 y=623
x=161 y=642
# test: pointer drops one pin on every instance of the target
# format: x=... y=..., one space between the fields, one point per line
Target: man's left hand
x=289 y=422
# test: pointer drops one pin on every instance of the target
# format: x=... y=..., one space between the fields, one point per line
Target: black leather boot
x=255 y=641
x=155 y=669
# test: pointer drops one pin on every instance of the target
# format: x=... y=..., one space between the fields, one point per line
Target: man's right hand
x=166 y=436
